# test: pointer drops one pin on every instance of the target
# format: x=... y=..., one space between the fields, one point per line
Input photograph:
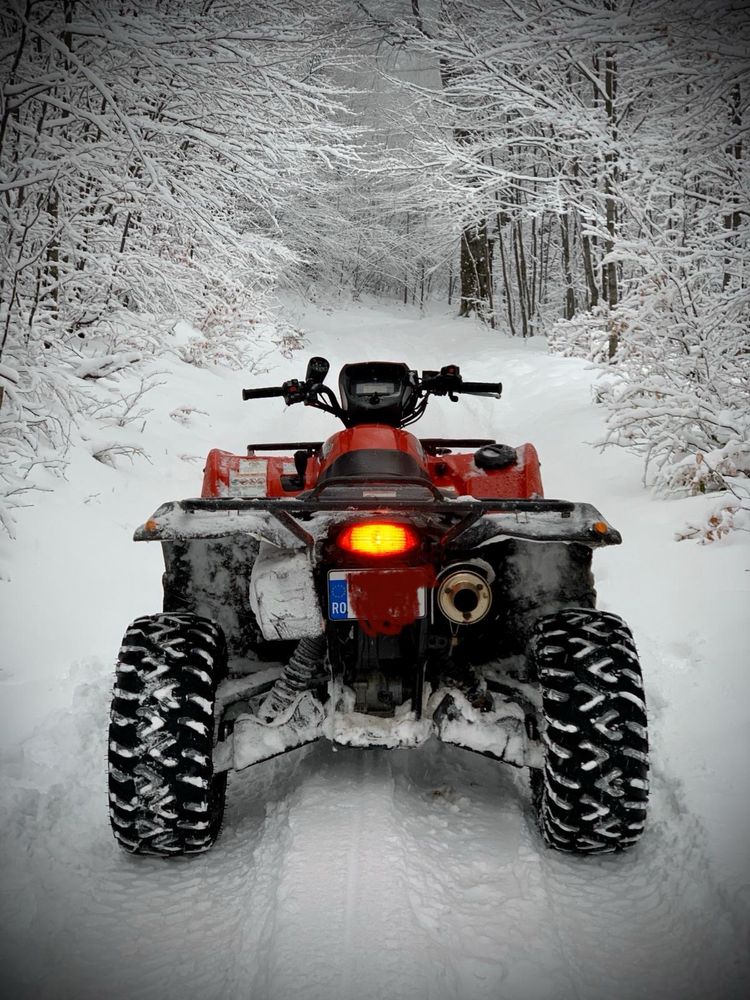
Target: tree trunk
x=476 y=279
x=588 y=268
x=732 y=219
x=569 y=309
x=517 y=238
x=506 y=284
x=611 y=289
x=406 y=274
x=52 y=254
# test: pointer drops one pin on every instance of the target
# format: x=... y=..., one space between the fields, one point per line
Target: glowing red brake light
x=378 y=538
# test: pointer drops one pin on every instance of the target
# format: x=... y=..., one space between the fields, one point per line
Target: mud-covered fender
x=283 y=595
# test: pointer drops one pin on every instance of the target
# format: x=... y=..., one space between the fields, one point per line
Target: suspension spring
x=297 y=676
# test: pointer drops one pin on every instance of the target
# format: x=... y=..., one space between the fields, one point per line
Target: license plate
x=339 y=598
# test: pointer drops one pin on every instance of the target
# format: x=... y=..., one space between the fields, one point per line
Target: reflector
x=378 y=538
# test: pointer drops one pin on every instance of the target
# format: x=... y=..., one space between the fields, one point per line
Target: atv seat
x=376 y=463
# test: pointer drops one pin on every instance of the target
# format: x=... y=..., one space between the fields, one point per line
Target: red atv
x=412 y=589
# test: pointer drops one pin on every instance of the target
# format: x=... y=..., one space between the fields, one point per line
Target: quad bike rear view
x=377 y=589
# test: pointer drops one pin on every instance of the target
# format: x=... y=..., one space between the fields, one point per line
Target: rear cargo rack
x=287 y=446
x=441 y=506
x=309 y=520
x=434 y=446
x=430 y=445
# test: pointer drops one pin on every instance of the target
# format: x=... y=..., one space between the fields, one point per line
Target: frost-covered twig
x=108 y=452
x=106 y=365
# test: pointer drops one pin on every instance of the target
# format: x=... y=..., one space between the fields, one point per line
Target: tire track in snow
x=340 y=927
x=471 y=884
x=353 y=863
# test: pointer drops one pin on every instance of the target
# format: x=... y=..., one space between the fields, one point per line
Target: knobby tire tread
x=164 y=798
x=592 y=795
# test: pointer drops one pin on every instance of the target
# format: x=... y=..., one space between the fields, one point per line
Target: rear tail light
x=378 y=538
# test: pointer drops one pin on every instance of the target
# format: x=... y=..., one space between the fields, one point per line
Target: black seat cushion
x=375 y=462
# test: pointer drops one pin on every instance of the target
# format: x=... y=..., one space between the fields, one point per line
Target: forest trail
x=360 y=874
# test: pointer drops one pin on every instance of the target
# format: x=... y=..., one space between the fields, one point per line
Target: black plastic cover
x=378 y=463
x=495 y=456
x=376 y=392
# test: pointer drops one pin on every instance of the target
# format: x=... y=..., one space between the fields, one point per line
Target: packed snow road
x=366 y=874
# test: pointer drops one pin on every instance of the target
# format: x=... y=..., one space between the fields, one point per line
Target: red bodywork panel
x=379 y=436
x=519 y=481
x=226 y=474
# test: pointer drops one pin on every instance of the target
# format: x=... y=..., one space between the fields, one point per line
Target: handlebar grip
x=275 y=390
x=493 y=387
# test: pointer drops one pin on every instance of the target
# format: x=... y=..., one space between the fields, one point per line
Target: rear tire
x=164 y=798
x=591 y=796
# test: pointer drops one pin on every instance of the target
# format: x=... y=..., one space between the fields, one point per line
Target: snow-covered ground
x=370 y=874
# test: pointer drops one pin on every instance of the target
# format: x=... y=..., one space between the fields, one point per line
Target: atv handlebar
x=275 y=390
x=491 y=388
x=448 y=381
x=312 y=392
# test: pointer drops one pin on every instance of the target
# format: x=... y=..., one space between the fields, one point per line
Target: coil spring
x=297 y=675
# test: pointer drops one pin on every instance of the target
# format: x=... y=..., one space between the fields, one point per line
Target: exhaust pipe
x=464 y=596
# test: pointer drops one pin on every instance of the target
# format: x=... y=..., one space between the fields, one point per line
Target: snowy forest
x=200 y=198
x=571 y=170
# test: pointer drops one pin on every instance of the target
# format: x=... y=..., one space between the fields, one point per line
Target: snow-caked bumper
x=504 y=732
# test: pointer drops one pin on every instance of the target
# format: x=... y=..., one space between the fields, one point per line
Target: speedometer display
x=369 y=388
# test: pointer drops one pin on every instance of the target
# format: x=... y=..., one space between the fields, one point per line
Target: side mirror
x=317 y=369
